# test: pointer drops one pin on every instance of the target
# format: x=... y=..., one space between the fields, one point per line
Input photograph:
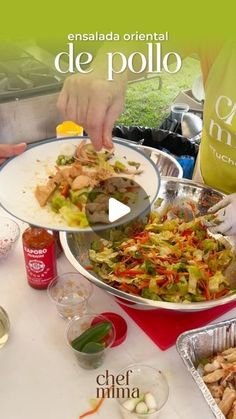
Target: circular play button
x=115 y=201
x=117 y=210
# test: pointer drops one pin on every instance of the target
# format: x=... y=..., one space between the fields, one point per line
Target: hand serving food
x=225 y=214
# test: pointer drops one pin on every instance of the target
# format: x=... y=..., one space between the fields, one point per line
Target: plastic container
x=119 y=324
x=178 y=110
x=147 y=380
x=70 y=292
x=9 y=234
x=76 y=327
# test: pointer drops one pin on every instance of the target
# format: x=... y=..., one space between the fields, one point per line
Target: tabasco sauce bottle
x=40 y=256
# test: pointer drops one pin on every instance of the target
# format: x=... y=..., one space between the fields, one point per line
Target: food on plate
x=171 y=258
x=82 y=182
x=219 y=374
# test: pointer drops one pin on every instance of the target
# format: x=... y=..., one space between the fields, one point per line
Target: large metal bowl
x=172 y=190
x=166 y=163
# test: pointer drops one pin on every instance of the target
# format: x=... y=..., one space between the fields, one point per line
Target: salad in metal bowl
x=197 y=269
x=171 y=258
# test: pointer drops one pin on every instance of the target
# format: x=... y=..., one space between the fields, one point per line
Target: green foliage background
x=148 y=103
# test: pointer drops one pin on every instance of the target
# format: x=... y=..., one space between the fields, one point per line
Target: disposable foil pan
x=202 y=343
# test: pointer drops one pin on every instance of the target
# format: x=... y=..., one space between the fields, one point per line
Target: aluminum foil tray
x=204 y=342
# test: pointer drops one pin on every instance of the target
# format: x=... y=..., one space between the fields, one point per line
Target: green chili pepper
x=94 y=334
x=93 y=347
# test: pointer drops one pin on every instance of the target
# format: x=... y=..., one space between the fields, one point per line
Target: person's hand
x=9 y=150
x=94 y=103
x=225 y=211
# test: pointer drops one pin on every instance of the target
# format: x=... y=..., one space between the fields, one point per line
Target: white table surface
x=39 y=376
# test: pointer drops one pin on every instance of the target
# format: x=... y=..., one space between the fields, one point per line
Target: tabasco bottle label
x=40 y=265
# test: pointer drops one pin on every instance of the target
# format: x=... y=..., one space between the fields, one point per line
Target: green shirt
x=218 y=145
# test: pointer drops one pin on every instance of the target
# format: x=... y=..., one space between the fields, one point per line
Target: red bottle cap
x=119 y=324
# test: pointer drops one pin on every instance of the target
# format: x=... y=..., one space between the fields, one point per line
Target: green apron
x=218 y=145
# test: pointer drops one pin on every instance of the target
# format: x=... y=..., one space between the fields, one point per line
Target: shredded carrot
x=92 y=411
x=88 y=267
x=96 y=408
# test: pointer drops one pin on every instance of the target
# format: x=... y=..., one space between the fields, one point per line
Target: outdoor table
x=39 y=374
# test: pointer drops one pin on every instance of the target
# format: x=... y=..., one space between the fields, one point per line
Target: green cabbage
x=73 y=216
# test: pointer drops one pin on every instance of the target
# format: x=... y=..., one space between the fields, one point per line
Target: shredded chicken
x=80 y=182
x=43 y=192
x=228 y=398
x=99 y=217
x=212 y=366
x=220 y=377
x=232 y=413
x=231 y=357
x=216 y=390
x=228 y=351
x=214 y=376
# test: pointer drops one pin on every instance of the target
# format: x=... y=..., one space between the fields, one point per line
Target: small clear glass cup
x=9 y=234
x=147 y=380
x=79 y=325
x=70 y=292
x=4 y=327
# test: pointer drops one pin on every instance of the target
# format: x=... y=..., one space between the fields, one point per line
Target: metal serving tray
x=204 y=342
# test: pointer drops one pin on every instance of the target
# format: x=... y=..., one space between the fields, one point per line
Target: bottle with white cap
x=69 y=129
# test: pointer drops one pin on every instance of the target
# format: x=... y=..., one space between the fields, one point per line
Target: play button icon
x=116 y=210
x=114 y=202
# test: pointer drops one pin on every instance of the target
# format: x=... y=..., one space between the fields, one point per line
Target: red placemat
x=164 y=326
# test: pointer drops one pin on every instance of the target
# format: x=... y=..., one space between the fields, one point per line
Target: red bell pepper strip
x=186 y=233
x=221 y=293
x=129 y=272
x=65 y=190
x=88 y=267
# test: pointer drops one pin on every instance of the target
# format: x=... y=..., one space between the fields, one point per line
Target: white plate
x=20 y=175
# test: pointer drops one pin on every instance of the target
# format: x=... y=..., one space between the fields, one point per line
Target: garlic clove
x=129 y=405
x=150 y=401
x=141 y=408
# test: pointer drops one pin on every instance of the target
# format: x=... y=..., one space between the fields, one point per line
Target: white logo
x=36 y=251
x=221 y=103
x=225 y=110
x=36 y=265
